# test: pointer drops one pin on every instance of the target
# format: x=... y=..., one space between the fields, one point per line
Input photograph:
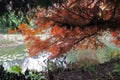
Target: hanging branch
x=72 y=23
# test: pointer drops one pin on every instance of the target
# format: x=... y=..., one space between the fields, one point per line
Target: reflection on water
x=12 y=53
x=8 y=64
x=12 y=50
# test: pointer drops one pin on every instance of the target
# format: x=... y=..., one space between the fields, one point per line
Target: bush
x=29 y=75
x=11 y=21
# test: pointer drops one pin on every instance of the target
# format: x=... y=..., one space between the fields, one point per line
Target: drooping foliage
x=72 y=24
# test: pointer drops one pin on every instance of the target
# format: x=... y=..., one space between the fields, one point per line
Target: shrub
x=11 y=21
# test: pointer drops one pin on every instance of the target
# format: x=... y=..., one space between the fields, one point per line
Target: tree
x=73 y=24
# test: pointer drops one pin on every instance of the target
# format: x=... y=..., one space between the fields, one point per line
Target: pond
x=13 y=52
x=12 y=48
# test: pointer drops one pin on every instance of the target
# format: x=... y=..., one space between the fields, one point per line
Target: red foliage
x=73 y=24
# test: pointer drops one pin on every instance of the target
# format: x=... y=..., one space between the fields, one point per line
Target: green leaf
x=15 y=69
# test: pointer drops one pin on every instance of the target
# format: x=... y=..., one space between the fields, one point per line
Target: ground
x=106 y=71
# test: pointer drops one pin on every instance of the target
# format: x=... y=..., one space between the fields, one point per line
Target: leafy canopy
x=72 y=24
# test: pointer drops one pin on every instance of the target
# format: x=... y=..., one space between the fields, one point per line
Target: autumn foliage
x=72 y=24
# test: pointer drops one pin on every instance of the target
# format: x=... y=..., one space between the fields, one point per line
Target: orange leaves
x=70 y=24
x=55 y=51
x=10 y=31
x=23 y=26
x=41 y=12
x=113 y=34
x=116 y=41
x=35 y=44
x=43 y=25
x=46 y=25
x=37 y=40
x=33 y=51
x=25 y=30
x=29 y=32
x=58 y=31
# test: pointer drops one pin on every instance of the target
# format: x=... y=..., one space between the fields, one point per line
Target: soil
x=106 y=71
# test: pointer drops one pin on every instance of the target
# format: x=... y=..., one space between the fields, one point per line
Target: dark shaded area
x=47 y=3
x=10 y=76
x=16 y=5
x=104 y=71
x=23 y=5
x=107 y=71
x=4 y=75
x=86 y=16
